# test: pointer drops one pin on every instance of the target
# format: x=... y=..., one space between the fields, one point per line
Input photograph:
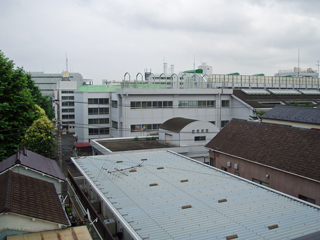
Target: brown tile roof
x=284 y=147
x=30 y=197
x=34 y=161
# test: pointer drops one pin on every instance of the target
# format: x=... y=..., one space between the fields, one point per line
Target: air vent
x=236 y=166
x=186 y=206
x=144 y=159
x=153 y=184
x=119 y=161
x=273 y=226
x=184 y=180
x=228 y=164
x=160 y=168
x=222 y=200
x=233 y=236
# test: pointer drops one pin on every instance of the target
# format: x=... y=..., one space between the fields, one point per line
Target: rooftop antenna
x=66 y=62
x=194 y=62
x=318 y=67
x=298 y=61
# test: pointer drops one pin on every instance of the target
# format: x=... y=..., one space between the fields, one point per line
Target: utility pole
x=59 y=132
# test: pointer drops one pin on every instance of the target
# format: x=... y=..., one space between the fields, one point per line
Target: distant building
x=306 y=117
x=281 y=157
x=298 y=72
x=47 y=81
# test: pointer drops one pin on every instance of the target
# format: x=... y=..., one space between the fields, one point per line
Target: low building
x=282 y=157
x=164 y=195
x=34 y=165
x=28 y=205
x=186 y=132
x=294 y=116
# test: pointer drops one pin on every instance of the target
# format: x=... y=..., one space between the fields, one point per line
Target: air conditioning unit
x=236 y=166
x=228 y=164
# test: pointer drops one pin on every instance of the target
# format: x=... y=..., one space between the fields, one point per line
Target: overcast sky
x=103 y=39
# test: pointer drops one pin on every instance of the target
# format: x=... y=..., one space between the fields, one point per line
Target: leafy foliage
x=17 y=109
x=38 y=137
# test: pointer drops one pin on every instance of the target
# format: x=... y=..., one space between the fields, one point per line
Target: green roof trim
x=286 y=75
x=194 y=71
x=98 y=88
x=258 y=74
x=235 y=73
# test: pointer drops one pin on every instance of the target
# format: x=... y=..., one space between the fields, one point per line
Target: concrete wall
x=20 y=222
x=285 y=182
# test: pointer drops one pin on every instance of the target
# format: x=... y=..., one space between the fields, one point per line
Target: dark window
x=98 y=131
x=93 y=111
x=103 y=100
x=211 y=104
x=211 y=161
x=67 y=97
x=94 y=121
x=236 y=173
x=225 y=103
x=93 y=131
x=167 y=104
x=98 y=100
x=66 y=91
x=115 y=124
x=104 y=131
x=67 y=116
x=224 y=169
x=199 y=138
x=224 y=123
x=201 y=104
x=103 y=110
x=260 y=182
x=68 y=110
x=114 y=104
x=67 y=104
x=310 y=200
x=213 y=122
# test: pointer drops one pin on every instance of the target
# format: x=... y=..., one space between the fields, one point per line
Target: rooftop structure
x=298 y=72
x=163 y=195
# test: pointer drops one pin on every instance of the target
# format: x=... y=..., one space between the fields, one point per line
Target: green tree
x=17 y=106
x=38 y=137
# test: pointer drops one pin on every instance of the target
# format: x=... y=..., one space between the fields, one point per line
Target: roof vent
x=222 y=200
x=273 y=226
x=184 y=180
x=228 y=164
x=160 y=168
x=153 y=184
x=119 y=161
x=186 y=206
x=233 y=236
x=133 y=170
x=144 y=159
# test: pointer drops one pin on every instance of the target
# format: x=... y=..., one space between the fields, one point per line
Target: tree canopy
x=18 y=95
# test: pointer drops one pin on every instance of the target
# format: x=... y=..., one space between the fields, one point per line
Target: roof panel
x=285 y=91
x=157 y=210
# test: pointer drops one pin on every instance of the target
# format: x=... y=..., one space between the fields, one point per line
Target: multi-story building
x=47 y=81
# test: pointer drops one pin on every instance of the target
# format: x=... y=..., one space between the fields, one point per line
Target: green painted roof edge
x=98 y=88
x=286 y=75
x=258 y=74
x=194 y=71
x=235 y=73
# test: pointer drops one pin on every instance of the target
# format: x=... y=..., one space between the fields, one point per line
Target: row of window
x=64 y=110
x=202 y=130
x=145 y=127
x=98 y=100
x=197 y=104
x=150 y=105
x=68 y=116
x=98 y=131
x=99 y=121
x=66 y=91
x=98 y=111
x=199 y=138
x=67 y=97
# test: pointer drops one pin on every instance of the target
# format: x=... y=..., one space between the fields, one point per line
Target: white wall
x=20 y=222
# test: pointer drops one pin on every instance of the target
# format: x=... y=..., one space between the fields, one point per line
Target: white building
x=47 y=81
x=298 y=72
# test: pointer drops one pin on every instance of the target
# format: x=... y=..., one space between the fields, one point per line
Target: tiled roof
x=34 y=161
x=176 y=124
x=284 y=147
x=30 y=197
x=294 y=114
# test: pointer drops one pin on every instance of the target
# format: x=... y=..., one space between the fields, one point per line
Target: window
x=93 y=111
x=145 y=127
x=225 y=103
x=202 y=130
x=167 y=104
x=67 y=116
x=66 y=91
x=103 y=110
x=199 y=138
x=192 y=131
x=115 y=124
x=99 y=121
x=310 y=200
x=224 y=123
x=114 y=104
x=98 y=131
x=211 y=104
x=224 y=169
x=202 y=104
x=196 y=104
x=70 y=104
x=98 y=100
x=236 y=173
x=68 y=110
x=67 y=97
x=260 y=182
x=211 y=161
x=207 y=130
x=94 y=121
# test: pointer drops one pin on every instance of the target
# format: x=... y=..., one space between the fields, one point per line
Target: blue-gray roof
x=164 y=195
x=294 y=114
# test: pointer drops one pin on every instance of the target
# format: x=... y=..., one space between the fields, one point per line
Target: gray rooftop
x=157 y=211
x=176 y=124
x=294 y=114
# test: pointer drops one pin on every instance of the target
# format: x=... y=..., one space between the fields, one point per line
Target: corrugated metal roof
x=156 y=211
x=176 y=124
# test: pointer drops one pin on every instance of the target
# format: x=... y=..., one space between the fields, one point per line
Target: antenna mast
x=66 y=62
x=298 y=61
